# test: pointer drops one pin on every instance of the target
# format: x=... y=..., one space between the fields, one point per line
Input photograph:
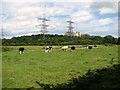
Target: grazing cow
x=89 y=47
x=64 y=48
x=48 y=48
x=95 y=45
x=72 y=48
x=106 y=45
x=21 y=50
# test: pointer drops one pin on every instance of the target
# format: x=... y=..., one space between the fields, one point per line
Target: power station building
x=77 y=34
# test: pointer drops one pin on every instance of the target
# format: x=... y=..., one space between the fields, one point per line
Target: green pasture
x=22 y=71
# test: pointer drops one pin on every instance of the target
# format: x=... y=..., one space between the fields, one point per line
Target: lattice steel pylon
x=43 y=25
x=70 y=27
x=2 y=33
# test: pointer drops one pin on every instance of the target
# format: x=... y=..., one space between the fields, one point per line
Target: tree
x=109 y=39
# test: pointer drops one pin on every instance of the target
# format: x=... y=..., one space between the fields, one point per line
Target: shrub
x=108 y=44
x=5 y=49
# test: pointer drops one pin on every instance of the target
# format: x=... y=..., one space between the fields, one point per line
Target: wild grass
x=22 y=71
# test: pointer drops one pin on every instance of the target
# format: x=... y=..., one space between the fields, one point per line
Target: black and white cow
x=95 y=45
x=48 y=48
x=72 y=48
x=89 y=47
x=21 y=50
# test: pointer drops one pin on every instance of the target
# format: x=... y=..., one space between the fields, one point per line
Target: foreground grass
x=22 y=71
x=100 y=78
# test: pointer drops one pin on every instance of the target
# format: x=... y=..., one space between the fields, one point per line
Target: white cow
x=64 y=48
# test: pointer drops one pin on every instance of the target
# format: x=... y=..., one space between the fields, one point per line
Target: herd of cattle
x=49 y=48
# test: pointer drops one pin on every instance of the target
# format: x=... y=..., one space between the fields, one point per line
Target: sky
x=94 y=18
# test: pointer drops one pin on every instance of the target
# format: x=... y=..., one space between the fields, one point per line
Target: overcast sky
x=94 y=18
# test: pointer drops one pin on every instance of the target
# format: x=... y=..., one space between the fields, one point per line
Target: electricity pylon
x=2 y=33
x=43 y=25
x=70 y=27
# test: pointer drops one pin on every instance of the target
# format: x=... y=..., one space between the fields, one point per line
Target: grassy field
x=22 y=71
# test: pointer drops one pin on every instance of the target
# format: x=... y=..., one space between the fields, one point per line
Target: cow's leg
x=19 y=52
x=46 y=51
x=51 y=49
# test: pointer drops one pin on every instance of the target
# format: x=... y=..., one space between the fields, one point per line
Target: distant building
x=77 y=34
x=69 y=34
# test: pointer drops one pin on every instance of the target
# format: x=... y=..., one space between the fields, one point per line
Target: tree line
x=37 y=40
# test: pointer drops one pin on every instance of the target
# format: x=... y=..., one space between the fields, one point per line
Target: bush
x=84 y=45
x=5 y=49
x=98 y=78
x=109 y=44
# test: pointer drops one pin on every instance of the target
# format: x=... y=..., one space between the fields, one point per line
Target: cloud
x=34 y=11
x=102 y=22
x=100 y=29
x=105 y=21
x=104 y=7
x=98 y=5
x=61 y=0
x=103 y=31
x=81 y=16
x=106 y=10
